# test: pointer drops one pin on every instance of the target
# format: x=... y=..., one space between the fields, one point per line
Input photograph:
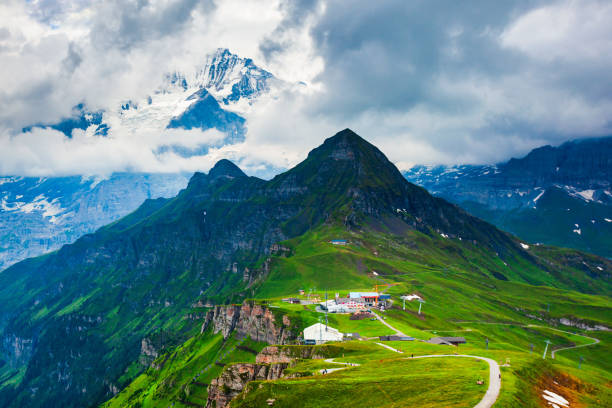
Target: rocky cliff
x=234 y=378
x=270 y=364
x=583 y=169
x=287 y=354
x=250 y=319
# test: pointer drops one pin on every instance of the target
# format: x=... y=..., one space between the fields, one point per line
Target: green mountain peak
x=225 y=168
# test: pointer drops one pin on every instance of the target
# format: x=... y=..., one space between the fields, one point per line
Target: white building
x=319 y=334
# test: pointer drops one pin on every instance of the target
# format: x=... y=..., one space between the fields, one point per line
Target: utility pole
x=487 y=341
x=325 y=310
x=580 y=362
x=320 y=331
x=545 y=349
x=531 y=346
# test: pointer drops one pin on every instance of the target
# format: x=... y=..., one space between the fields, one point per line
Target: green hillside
x=515 y=317
x=72 y=323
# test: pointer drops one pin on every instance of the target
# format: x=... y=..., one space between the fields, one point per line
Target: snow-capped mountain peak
x=226 y=76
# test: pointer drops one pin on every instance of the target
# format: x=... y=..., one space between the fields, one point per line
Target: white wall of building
x=318 y=333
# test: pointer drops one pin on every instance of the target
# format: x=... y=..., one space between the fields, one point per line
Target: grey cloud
x=386 y=54
x=73 y=59
x=4 y=33
x=295 y=13
x=388 y=58
x=52 y=11
x=428 y=80
x=127 y=24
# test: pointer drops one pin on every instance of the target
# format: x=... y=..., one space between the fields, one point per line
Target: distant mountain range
x=554 y=195
x=38 y=215
x=72 y=323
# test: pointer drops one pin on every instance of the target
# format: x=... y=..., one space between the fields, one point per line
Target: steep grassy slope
x=182 y=375
x=406 y=254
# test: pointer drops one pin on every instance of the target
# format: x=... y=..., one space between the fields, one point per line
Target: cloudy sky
x=433 y=82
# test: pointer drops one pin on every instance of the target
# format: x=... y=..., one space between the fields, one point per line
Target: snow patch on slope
x=535 y=200
x=48 y=209
x=586 y=194
x=554 y=399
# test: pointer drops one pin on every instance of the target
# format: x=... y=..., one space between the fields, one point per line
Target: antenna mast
x=326 y=309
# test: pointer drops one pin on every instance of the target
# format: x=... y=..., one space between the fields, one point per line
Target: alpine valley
x=180 y=302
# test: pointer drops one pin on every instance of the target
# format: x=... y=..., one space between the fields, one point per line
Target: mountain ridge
x=517 y=195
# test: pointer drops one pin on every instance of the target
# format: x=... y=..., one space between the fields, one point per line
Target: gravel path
x=552 y=353
x=389 y=348
x=494 y=374
x=397 y=332
x=494 y=378
x=331 y=370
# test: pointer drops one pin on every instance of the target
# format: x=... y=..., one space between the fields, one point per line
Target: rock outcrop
x=16 y=349
x=250 y=319
x=235 y=377
x=270 y=364
x=148 y=352
x=288 y=354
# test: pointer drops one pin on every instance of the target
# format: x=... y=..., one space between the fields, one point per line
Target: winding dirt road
x=494 y=372
x=552 y=353
x=383 y=321
x=494 y=378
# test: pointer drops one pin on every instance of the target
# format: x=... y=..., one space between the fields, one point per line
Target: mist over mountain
x=38 y=215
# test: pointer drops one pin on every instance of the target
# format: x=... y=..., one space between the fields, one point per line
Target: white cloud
x=41 y=152
x=570 y=30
